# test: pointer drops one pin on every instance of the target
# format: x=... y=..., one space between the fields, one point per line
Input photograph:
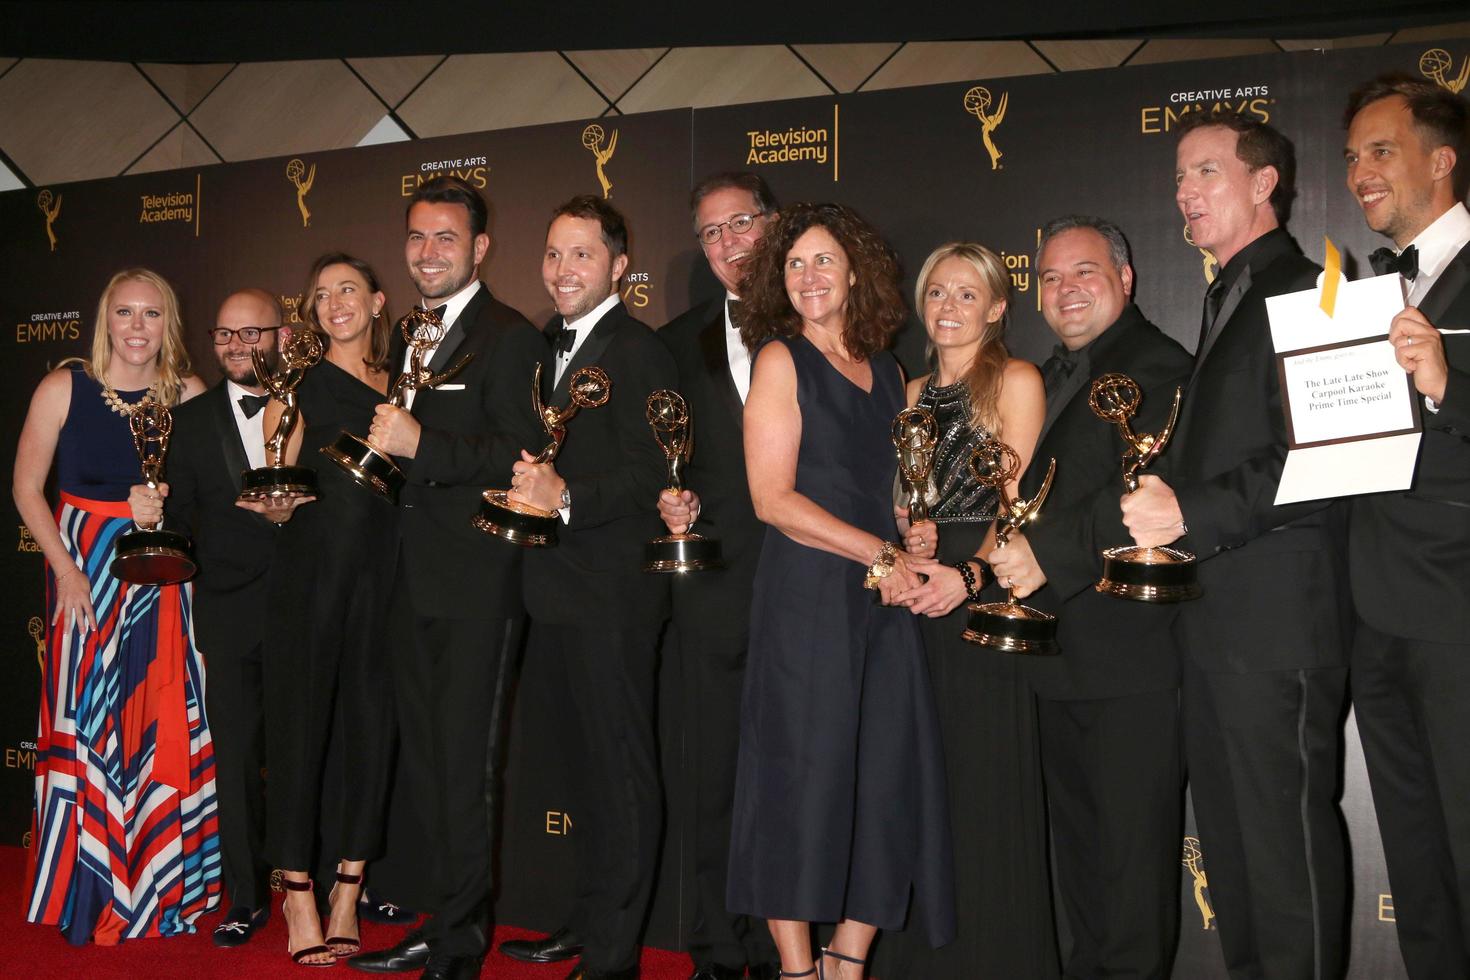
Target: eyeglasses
x=739 y=224
x=247 y=335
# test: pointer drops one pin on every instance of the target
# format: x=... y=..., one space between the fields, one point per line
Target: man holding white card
x=1408 y=163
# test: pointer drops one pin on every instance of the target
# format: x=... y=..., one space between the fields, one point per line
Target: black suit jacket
x=716 y=601
x=1109 y=647
x=234 y=546
x=472 y=431
x=614 y=471
x=1410 y=551
x=1274 y=598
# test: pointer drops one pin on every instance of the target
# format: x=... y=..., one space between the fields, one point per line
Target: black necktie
x=1405 y=263
x=1057 y=369
x=564 y=338
x=251 y=404
x=1214 y=299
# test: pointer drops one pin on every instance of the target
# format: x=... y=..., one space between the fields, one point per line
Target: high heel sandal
x=803 y=973
x=298 y=956
x=345 y=945
x=826 y=951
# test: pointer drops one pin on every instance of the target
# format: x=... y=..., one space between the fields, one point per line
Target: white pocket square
x=447 y=388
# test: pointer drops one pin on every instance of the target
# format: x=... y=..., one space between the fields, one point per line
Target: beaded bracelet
x=972 y=586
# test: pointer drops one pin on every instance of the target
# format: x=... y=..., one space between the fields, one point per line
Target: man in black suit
x=1263 y=669
x=457 y=615
x=595 y=617
x=712 y=608
x=1408 y=157
x=1108 y=706
x=216 y=436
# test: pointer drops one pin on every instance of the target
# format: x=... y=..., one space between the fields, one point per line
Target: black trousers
x=450 y=683
x=1263 y=752
x=1115 y=793
x=234 y=702
x=611 y=755
x=712 y=672
x=1412 y=701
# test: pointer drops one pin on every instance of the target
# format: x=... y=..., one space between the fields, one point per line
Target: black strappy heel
x=826 y=951
x=803 y=973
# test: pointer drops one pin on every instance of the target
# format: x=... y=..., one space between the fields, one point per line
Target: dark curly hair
x=875 y=308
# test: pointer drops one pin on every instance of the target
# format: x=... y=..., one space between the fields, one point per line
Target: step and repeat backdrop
x=988 y=159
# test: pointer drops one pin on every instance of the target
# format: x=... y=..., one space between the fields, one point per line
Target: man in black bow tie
x=457 y=617
x=1108 y=707
x=595 y=617
x=216 y=436
x=1408 y=162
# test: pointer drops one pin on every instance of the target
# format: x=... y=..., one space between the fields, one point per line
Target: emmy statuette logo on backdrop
x=1436 y=61
x=36 y=626
x=50 y=207
x=1194 y=860
x=1211 y=267
x=980 y=104
x=592 y=138
x=301 y=179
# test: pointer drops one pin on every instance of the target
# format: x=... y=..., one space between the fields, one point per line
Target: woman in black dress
x=987 y=712
x=840 y=810
x=324 y=665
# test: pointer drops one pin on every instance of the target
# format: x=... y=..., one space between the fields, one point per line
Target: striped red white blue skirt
x=125 y=838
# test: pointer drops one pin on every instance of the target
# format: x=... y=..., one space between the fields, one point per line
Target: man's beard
x=248 y=378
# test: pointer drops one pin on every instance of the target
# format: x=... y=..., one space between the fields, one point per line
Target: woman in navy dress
x=125 y=836
x=325 y=669
x=840 y=812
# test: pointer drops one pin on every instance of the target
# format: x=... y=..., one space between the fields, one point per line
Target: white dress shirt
x=582 y=327
x=736 y=352
x=252 y=430
x=454 y=306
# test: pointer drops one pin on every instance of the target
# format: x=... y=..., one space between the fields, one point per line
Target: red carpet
x=39 y=951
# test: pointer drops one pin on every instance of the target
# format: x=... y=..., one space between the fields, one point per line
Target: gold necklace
x=115 y=402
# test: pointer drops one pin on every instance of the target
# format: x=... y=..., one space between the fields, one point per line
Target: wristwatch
x=566 y=497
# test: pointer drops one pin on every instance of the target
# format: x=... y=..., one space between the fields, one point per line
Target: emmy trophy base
x=366 y=465
x=153 y=557
x=277 y=481
x=1011 y=628
x=682 y=553
x=1149 y=574
x=518 y=523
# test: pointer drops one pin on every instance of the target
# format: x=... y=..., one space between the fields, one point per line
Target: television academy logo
x=1211 y=266
x=1436 y=61
x=1194 y=860
x=592 y=138
x=50 y=207
x=302 y=179
x=991 y=113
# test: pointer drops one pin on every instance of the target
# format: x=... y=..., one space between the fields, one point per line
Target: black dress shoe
x=411 y=953
x=451 y=968
x=239 y=925
x=764 y=971
x=714 y=971
x=560 y=945
x=580 y=972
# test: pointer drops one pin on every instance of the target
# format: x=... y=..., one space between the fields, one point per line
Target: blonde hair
x=173 y=357
x=983 y=377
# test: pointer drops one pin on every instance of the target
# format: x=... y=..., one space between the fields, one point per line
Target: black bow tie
x=1405 y=263
x=563 y=339
x=439 y=312
x=251 y=404
x=1058 y=368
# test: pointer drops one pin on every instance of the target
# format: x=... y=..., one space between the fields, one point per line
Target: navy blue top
x=95 y=457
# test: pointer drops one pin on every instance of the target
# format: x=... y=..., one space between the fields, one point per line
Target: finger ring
x=921 y=541
x=1010 y=582
x=1408 y=341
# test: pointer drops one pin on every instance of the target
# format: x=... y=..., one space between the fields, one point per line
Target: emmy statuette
x=668 y=416
x=1009 y=626
x=1159 y=574
x=520 y=523
x=276 y=479
x=152 y=555
x=915 y=434
x=369 y=467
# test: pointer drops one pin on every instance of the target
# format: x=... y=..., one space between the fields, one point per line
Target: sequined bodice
x=956 y=495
